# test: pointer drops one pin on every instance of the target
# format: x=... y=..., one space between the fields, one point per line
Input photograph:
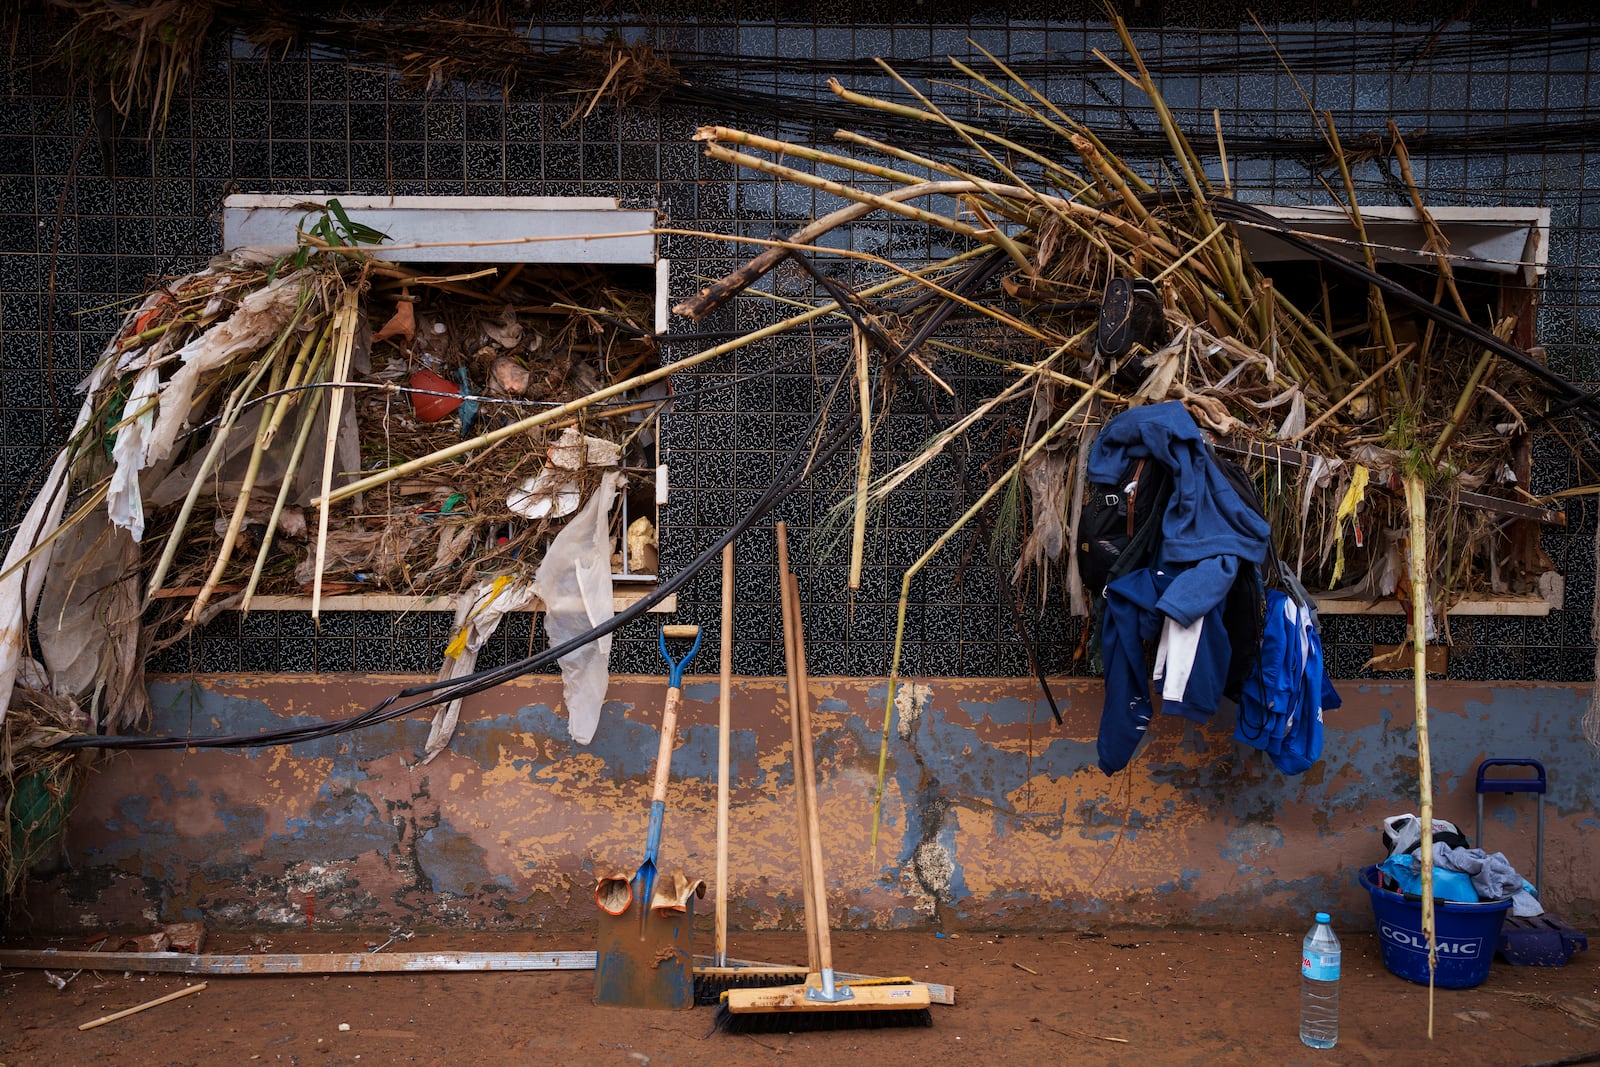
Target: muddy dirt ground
x=1112 y=997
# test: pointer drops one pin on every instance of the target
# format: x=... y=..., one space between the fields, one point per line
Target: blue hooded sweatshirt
x=1207 y=528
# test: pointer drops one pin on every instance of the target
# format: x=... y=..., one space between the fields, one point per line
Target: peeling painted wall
x=993 y=816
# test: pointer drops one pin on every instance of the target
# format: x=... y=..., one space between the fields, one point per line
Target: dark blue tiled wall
x=89 y=217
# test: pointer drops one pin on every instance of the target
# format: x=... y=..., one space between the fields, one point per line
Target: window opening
x=1498 y=260
x=474 y=325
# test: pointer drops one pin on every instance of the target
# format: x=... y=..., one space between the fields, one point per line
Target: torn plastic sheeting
x=554 y=492
x=89 y=559
x=574 y=581
x=19 y=590
x=477 y=618
x=123 y=502
x=259 y=318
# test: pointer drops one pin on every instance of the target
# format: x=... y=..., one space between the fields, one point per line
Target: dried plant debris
x=1091 y=284
x=233 y=399
x=1113 y=285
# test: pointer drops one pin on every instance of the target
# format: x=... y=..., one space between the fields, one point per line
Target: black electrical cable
x=796 y=470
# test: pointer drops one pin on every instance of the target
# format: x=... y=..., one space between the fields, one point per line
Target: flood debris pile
x=227 y=404
x=1089 y=284
x=233 y=400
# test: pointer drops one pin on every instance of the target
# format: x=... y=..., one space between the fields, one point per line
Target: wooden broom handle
x=808 y=770
x=801 y=798
x=669 y=730
x=724 y=724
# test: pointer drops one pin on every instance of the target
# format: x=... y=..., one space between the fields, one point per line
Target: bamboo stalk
x=714 y=295
x=851 y=137
x=847 y=192
x=1375 y=300
x=344 y=334
x=858 y=537
x=922 y=561
x=902 y=110
x=1011 y=175
x=230 y=414
x=572 y=407
x=1069 y=122
x=726 y=134
x=241 y=504
x=1416 y=505
x=1222 y=151
x=308 y=418
x=1230 y=269
x=1436 y=239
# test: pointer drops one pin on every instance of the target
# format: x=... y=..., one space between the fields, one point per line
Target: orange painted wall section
x=993 y=816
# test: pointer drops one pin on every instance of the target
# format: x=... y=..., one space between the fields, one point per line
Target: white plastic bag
x=477 y=619
x=574 y=581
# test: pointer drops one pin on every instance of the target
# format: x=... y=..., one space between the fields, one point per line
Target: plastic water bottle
x=1319 y=985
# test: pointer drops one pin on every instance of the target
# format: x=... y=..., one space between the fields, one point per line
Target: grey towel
x=1492 y=876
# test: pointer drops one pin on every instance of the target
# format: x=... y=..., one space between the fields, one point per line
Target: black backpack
x=1119 y=526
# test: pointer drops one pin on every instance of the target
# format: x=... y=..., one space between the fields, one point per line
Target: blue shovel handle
x=675 y=667
x=646 y=876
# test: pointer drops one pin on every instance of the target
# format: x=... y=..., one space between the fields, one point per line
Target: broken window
x=484 y=311
x=1497 y=258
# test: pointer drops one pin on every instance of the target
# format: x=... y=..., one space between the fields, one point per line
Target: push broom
x=711 y=982
x=822 y=1001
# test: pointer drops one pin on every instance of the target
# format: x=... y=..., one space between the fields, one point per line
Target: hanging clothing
x=1281 y=704
x=1207 y=528
x=1210 y=536
x=1194 y=663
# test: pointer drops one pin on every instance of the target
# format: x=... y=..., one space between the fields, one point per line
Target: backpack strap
x=1131 y=498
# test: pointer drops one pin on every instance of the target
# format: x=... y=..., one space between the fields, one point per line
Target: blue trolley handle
x=1537 y=783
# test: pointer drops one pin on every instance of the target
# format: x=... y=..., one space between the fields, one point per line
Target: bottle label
x=1320 y=967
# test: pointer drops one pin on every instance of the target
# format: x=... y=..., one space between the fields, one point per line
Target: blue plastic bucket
x=1465 y=936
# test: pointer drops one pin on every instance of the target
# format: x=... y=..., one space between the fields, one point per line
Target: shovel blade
x=655 y=971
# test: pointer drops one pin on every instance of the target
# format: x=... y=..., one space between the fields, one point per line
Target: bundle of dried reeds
x=234 y=401
x=1335 y=393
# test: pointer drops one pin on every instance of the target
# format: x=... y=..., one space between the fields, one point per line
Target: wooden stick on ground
x=137 y=1008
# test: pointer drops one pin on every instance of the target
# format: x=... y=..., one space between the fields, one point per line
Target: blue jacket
x=1207 y=528
x=1132 y=618
x=1280 y=709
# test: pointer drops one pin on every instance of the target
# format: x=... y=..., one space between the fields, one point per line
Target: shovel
x=646 y=962
x=644 y=881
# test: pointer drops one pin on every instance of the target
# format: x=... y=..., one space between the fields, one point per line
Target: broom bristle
x=786 y=1010
x=711 y=982
x=793 y=1021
